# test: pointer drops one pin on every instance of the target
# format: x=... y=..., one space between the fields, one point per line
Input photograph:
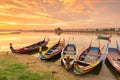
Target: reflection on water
x=26 y=38
x=87 y=32
x=82 y=41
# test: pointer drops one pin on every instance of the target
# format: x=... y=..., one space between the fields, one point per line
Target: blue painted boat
x=53 y=51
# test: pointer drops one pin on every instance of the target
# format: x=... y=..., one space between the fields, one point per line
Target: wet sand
x=105 y=73
x=36 y=65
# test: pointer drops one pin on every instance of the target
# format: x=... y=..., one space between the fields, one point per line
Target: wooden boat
x=54 y=50
x=27 y=49
x=114 y=57
x=104 y=37
x=68 y=55
x=87 y=60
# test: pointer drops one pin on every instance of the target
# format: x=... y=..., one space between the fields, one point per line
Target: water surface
x=28 y=38
x=82 y=41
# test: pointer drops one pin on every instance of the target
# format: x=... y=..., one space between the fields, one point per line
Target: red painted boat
x=31 y=48
x=114 y=57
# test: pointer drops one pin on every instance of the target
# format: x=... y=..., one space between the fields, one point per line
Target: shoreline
x=6 y=32
x=95 y=32
x=71 y=32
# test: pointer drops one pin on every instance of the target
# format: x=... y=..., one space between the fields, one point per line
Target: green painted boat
x=88 y=60
x=104 y=37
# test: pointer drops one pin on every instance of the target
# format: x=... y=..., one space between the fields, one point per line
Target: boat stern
x=77 y=69
x=68 y=66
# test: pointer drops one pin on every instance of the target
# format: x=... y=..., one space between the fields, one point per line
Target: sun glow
x=11 y=23
x=16 y=14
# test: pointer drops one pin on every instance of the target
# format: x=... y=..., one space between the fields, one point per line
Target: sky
x=50 y=14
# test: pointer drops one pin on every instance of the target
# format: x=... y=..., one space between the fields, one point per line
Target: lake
x=82 y=41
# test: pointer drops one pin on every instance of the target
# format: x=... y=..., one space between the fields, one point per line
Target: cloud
x=48 y=7
x=11 y=23
x=59 y=12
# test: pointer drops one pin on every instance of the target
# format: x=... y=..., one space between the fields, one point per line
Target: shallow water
x=82 y=41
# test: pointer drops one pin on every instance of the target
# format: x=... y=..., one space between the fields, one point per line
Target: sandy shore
x=36 y=65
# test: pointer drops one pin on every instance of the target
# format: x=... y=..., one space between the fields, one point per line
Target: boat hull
x=29 y=49
x=54 y=51
x=113 y=64
x=88 y=60
x=68 y=67
x=46 y=57
x=81 y=70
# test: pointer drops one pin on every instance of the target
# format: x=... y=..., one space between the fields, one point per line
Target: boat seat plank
x=53 y=50
x=118 y=62
x=69 y=51
x=89 y=57
x=115 y=55
x=93 y=54
x=93 y=51
x=59 y=47
x=84 y=62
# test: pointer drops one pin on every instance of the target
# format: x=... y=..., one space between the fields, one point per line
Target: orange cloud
x=58 y=12
x=12 y=23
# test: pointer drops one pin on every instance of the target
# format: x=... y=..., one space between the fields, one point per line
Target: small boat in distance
x=88 y=60
x=104 y=37
x=113 y=57
x=53 y=51
x=68 y=55
x=28 y=49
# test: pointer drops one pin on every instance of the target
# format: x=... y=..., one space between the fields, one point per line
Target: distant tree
x=97 y=29
x=58 y=29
